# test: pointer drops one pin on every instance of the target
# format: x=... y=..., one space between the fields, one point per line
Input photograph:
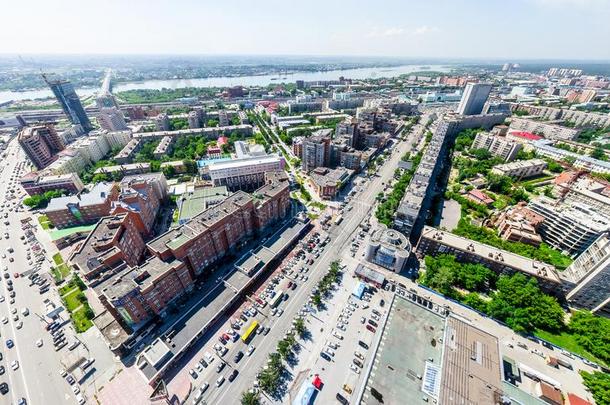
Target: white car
x=1 y=298
x=354 y=368
x=340 y=326
x=19 y=325
x=80 y=399
x=329 y=351
x=14 y=364
x=250 y=350
x=337 y=335
x=5 y=320
x=75 y=389
x=39 y=343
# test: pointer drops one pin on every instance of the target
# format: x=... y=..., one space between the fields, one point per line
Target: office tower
x=41 y=144
x=69 y=101
x=111 y=119
x=474 y=98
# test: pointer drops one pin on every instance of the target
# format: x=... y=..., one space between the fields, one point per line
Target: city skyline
x=528 y=29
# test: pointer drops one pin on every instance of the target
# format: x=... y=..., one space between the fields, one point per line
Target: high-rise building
x=162 y=122
x=474 y=98
x=111 y=119
x=106 y=100
x=69 y=101
x=316 y=151
x=41 y=144
x=590 y=273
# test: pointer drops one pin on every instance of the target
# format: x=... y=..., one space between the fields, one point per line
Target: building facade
x=474 y=98
x=41 y=144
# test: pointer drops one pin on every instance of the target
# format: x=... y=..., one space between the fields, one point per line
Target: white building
x=69 y=161
x=551 y=131
x=92 y=148
x=545 y=148
x=117 y=139
x=497 y=146
x=111 y=119
x=521 y=169
x=590 y=276
x=569 y=227
x=244 y=173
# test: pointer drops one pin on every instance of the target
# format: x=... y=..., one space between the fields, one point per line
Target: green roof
x=62 y=233
x=197 y=201
x=179 y=241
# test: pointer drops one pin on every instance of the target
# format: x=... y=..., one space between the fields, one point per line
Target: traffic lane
x=284 y=323
x=278 y=329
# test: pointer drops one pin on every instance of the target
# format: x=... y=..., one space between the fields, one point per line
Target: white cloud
x=425 y=29
x=388 y=32
x=399 y=31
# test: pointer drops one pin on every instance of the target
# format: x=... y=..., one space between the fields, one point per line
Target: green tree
x=599 y=385
x=250 y=398
x=212 y=123
x=283 y=348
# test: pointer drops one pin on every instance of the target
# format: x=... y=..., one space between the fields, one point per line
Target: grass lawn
x=80 y=320
x=567 y=342
x=44 y=222
x=57 y=258
x=72 y=301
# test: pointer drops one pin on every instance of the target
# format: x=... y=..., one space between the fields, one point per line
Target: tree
x=212 y=123
x=283 y=348
x=169 y=171
x=299 y=326
x=599 y=153
x=250 y=398
x=599 y=385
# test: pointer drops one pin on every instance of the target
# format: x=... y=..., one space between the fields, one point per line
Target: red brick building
x=209 y=236
x=137 y=294
x=114 y=244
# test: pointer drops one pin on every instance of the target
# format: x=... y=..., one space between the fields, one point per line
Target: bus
x=338 y=219
x=277 y=299
x=250 y=332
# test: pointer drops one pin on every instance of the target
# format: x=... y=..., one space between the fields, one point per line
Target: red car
x=369 y=327
x=289 y=284
x=16 y=275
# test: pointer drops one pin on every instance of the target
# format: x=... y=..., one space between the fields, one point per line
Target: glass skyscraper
x=69 y=101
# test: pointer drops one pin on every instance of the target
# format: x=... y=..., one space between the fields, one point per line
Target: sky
x=494 y=29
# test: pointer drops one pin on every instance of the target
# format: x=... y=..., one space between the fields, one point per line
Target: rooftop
x=471 y=365
x=98 y=195
x=194 y=202
x=504 y=257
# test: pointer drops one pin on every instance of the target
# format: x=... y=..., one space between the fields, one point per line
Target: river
x=261 y=80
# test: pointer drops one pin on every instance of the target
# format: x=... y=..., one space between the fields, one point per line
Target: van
x=220 y=380
x=74 y=345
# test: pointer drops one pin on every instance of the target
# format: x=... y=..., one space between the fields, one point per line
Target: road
x=37 y=378
x=341 y=235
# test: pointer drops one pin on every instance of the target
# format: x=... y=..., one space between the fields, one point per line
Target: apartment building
x=112 y=246
x=41 y=144
x=162 y=122
x=68 y=161
x=164 y=147
x=521 y=169
x=212 y=234
x=111 y=119
x=497 y=146
x=579 y=118
x=550 y=131
x=136 y=294
x=434 y=241
x=35 y=183
x=474 y=98
x=519 y=224
x=589 y=278
x=316 y=151
x=124 y=170
x=545 y=148
x=414 y=205
x=128 y=152
x=84 y=208
x=138 y=197
x=588 y=191
x=569 y=227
